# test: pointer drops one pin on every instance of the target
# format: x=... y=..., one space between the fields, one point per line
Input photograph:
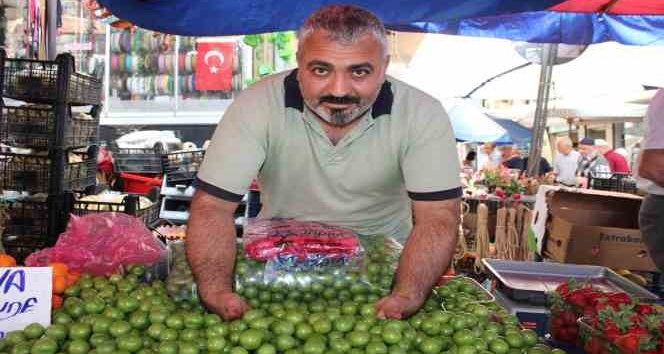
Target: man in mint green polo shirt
x=335 y=141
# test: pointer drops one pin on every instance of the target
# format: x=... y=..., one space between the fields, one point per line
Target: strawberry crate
x=595 y=342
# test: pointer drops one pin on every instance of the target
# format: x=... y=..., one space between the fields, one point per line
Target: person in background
x=650 y=179
x=566 y=162
x=592 y=164
x=469 y=161
x=510 y=157
x=489 y=156
x=617 y=162
x=543 y=168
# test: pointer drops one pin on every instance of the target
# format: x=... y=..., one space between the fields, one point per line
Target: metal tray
x=531 y=281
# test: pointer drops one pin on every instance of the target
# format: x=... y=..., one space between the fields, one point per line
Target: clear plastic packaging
x=180 y=283
x=304 y=261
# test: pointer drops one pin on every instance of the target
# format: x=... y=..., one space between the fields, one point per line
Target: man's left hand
x=397 y=306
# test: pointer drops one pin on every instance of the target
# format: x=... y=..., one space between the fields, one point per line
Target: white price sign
x=25 y=297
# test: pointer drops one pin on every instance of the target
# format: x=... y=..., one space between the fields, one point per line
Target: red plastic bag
x=266 y=239
x=101 y=244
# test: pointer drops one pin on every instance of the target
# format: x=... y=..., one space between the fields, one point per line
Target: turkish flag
x=214 y=66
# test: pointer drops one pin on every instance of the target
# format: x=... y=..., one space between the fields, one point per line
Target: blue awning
x=517 y=133
x=538 y=21
x=223 y=17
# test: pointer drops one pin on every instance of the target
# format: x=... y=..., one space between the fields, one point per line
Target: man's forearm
x=651 y=166
x=428 y=252
x=211 y=244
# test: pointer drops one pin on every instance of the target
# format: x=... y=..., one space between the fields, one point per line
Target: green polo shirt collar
x=293 y=97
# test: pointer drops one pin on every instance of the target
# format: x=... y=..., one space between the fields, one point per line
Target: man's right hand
x=228 y=305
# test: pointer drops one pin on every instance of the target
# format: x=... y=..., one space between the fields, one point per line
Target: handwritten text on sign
x=25 y=297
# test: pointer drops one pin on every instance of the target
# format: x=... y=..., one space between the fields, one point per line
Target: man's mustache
x=340 y=100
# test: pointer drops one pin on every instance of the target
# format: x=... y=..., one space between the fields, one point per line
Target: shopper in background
x=617 y=162
x=339 y=142
x=489 y=156
x=510 y=157
x=469 y=161
x=650 y=179
x=566 y=162
x=543 y=168
x=592 y=164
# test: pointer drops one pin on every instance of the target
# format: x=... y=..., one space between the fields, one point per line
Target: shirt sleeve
x=430 y=164
x=237 y=149
x=655 y=123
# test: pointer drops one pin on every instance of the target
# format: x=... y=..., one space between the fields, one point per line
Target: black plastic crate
x=32 y=173
x=35 y=217
x=616 y=182
x=129 y=205
x=35 y=127
x=181 y=167
x=137 y=160
x=21 y=248
x=50 y=82
x=27 y=218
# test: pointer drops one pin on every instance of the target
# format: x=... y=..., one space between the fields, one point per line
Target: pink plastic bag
x=101 y=244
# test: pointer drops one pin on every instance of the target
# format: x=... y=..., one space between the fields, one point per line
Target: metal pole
x=539 y=124
x=51 y=28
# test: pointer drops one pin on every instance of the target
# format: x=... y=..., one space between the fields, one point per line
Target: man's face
x=487 y=149
x=506 y=152
x=340 y=81
x=586 y=150
x=564 y=149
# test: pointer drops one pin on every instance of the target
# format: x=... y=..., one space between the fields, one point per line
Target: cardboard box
x=595 y=227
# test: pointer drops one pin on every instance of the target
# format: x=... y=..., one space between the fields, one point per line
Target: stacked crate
x=49 y=146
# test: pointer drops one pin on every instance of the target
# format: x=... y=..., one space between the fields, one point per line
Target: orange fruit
x=59 y=284
x=72 y=278
x=59 y=269
x=56 y=302
x=7 y=261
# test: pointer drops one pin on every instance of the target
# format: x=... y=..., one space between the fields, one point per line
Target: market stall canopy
x=452 y=66
x=471 y=124
x=519 y=135
x=217 y=18
x=579 y=111
x=638 y=22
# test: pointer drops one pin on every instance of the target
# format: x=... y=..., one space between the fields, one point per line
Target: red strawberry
x=638 y=331
x=557 y=322
x=644 y=309
x=611 y=334
x=602 y=305
x=618 y=298
x=589 y=311
x=577 y=298
x=593 y=346
x=628 y=343
x=636 y=319
x=563 y=289
x=595 y=298
x=573 y=332
x=569 y=317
